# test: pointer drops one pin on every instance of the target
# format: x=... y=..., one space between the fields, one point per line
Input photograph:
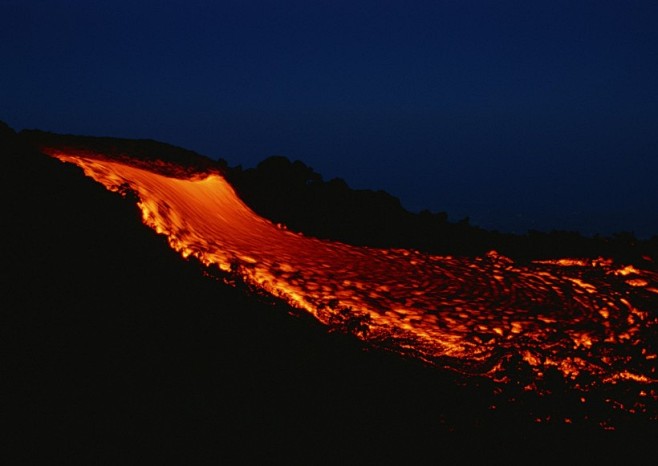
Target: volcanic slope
x=117 y=342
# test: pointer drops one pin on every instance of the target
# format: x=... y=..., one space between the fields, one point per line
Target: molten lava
x=593 y=322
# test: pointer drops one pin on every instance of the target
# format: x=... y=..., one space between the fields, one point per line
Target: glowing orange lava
x=589 y=320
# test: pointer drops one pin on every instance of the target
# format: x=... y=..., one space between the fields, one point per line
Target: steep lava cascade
x=593 y=322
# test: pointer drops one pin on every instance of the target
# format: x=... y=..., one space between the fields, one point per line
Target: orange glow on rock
x=467 y=314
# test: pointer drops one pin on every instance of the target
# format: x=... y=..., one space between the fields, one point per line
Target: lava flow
x=593 y=322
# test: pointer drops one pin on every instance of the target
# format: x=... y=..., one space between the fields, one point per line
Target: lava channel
x=594 y=322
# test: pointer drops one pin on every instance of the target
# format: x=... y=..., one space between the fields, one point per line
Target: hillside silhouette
x=293 y=194
x=114 y=345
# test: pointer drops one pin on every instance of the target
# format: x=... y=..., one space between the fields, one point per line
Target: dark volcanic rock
x=136 y=150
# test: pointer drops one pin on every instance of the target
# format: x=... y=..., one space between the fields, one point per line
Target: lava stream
x=592 y=321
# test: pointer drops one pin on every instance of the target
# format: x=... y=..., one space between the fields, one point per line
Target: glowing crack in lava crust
x=592 y=321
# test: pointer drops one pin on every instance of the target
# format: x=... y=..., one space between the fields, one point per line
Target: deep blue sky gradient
x=519 y=114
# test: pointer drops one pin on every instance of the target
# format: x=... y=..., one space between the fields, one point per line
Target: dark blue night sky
x=519 y=114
